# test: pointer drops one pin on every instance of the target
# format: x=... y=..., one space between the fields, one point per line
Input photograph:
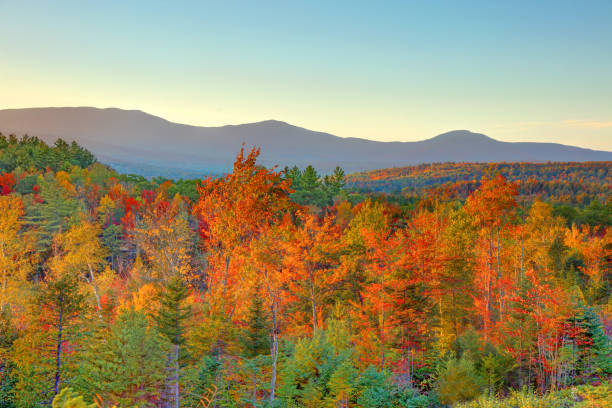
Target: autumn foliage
x=138 y=292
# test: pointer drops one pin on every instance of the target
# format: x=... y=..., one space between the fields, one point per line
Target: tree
x=13 y=246
x=334 y=183
x=67 y=398
x=492 y=208
x=366 y=270
x=256 y=339
x=269 y=281
x=309 y=188
x=56 y=211
x=163 y=236
x=44 y=356
x=458 y=382
x=598 y=347
x=125 y=365
x=83 y=255
x=312 y=255
x=7 y=182
x=232 y=211
x=171 y=319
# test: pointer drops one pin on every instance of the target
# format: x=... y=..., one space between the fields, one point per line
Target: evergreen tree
x=8 y=335
x=65 y=302
x=125 y=365
x=598 y=358
x=256 y=339
x=171 y=319
x=44 y=355
x=53 y=215
x=334 y=184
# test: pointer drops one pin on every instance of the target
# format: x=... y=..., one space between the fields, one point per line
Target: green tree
x=54 y=214
x=171 y=320
x=41 y=360
x=597 y=358
x=126 y=364
x=256 y=339
x=334 y=183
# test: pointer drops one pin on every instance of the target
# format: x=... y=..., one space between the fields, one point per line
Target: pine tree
x=45 y=353
x=124 y=365
x=256 y=339
x=8 y=335
x=334 y=184
x=171 y=319
x=599 y=358
x=53 y=215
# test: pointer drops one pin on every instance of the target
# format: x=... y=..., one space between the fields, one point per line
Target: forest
x=574 y=183
x=270 y=287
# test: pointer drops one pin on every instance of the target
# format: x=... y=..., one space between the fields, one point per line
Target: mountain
x=136 y=142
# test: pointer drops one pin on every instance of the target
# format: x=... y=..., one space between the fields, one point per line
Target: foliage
x=125 y=363
x=283 y=288
x=67 y=398
x=459 y=381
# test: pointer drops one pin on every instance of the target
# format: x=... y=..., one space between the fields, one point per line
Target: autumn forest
x=464 y=285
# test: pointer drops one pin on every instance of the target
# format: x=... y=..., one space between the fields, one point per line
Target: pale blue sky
x=395 y=70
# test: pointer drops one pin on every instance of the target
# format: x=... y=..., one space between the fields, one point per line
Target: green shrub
x=459 y=381
x=585 y=396
x=69 y=399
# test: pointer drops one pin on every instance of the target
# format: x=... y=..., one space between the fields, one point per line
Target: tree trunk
x=499 y=279
x=255 y=385
x=225 y=275
x=273 y=309
x=274 y=359
x=4 y=279
x=58 y=354
x=522 y=251
x=95 y=289
x=312 y=301
x=176 y=377
x=382 y=320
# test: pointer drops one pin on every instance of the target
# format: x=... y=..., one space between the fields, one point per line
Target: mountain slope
x=135 y=141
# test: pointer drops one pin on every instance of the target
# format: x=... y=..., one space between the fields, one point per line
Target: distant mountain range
x=136 y=142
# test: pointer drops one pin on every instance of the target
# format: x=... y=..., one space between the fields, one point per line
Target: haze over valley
x=136 y=142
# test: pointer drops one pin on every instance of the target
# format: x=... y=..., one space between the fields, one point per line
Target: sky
x=393 y=70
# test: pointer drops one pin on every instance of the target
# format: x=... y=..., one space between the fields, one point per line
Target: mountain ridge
x=137 y=139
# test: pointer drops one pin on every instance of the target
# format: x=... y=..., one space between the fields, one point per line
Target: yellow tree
x=594 y=246
x=164 y=239
x=542 y=230
x=13 y=248
x=84 y=255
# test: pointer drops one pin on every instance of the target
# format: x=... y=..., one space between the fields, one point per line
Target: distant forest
x=572 y=182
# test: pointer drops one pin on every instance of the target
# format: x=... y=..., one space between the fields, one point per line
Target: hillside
x=572 y=182
x=136 y=142
x=284 y=282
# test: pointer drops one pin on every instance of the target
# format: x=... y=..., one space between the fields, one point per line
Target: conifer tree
x=63 y=298
x=171 y=320
x=41 y=357
x=599 y=357
x=125 y=365
x=256 y=339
